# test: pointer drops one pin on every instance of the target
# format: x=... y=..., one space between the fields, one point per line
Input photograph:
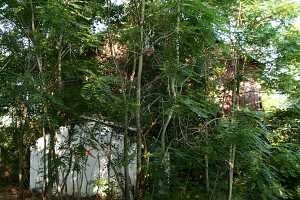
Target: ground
x=11 y=193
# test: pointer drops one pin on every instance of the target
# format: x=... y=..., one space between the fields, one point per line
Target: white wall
x=94 y=165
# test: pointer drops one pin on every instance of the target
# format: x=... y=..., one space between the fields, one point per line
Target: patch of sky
x=5 y=120
x=25 y=42
x=5 y=52
x=98 y=26
x=118 y=2
x=275 y=100
x=4 y=7
x=6 y=26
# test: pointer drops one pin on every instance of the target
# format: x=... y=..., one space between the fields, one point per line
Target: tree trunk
x=127 y=190
x=44 y=164
x=231 y=168
x=21 y=162
x=206 y=174
x=139 y=177
x=59 y=62
x=40 y=67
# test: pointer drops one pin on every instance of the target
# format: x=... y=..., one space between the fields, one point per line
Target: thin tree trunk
x=172 y=86
x=59 y=62
x=39 y=62
x=44 y=164
x=206 y=134
x=73 y=182
x=52 y=171
x=163 y=135
x=173 y=79
x=21 y=162
x=69 y=169
x=206 y=174
x=178 y=33
x=127 y=183
x=109 y=166
x=138 y=102
x=235 y=105
x=231 y=168
x=127 y=190
x=51 y=156
x=233 y=146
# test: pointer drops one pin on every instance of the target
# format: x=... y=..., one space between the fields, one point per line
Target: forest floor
x=11 y=193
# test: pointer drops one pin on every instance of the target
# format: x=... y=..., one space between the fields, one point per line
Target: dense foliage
x=169 y=77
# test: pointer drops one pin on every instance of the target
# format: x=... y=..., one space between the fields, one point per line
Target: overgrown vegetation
x=181 y=80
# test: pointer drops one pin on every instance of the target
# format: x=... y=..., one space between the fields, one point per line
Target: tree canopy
x=182 y=80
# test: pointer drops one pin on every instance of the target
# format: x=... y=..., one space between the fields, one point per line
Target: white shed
x=87 y=161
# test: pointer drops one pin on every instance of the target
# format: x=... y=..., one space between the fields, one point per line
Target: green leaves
x=58 y=71
x=199 y=108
